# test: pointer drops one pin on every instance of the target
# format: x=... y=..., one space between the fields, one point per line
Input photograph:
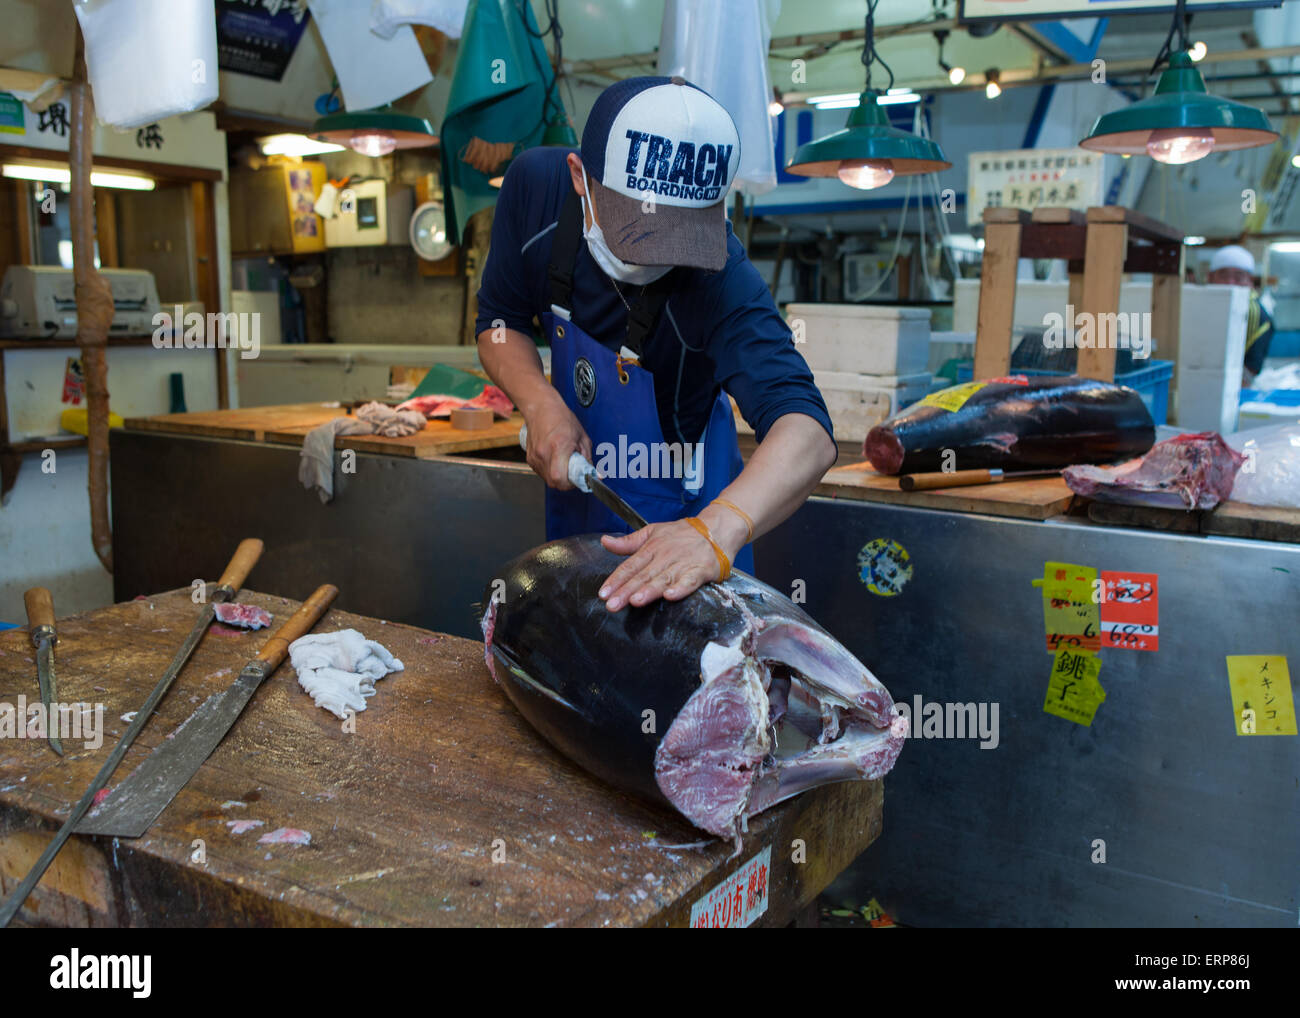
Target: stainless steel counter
x=1201 y=827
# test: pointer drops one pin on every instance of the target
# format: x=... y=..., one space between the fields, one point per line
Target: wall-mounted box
x=271 y=209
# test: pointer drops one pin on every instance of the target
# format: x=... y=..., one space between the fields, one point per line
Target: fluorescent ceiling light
x=897 y=95
x=837 y=97
x=62 y=175
x=1194 y=241
x=1286 y=246
x=838 y=104
x=296 y=145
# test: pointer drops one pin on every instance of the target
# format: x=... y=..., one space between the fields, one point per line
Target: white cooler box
x=857 y=403
x=862 y=338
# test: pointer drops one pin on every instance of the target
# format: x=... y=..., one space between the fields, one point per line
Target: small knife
x=965 y=478
x=40 y=622
x=583 y=476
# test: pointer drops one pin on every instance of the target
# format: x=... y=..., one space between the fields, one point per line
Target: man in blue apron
x=654 y=314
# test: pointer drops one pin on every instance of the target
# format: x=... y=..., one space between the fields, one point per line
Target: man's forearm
x=516 y=367
x=788 y=464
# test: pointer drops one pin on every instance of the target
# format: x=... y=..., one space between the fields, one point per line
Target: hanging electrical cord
x=556 y=33
x=870 y=55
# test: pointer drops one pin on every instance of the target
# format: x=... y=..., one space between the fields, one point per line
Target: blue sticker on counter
x=884 y=566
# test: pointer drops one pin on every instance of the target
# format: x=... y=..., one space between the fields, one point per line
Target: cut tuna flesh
x=246 y=616
x=723 y=704
x=1184 y=472
x=1021 y=423
x=491 y=398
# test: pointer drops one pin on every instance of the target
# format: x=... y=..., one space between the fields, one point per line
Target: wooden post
x=1103 y=269
x=1166 y=322
x=997 y=291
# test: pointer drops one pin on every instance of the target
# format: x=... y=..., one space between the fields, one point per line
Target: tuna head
x=723 y=704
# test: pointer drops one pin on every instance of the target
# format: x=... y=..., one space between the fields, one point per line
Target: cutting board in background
x=1032 y=499
x=249 y=423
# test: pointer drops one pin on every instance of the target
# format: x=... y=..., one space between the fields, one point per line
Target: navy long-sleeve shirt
x=717 y=329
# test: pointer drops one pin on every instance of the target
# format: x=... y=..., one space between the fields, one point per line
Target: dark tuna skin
x=552 y=627
x=1051 y=422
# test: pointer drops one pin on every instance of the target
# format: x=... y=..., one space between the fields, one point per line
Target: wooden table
x=443 y=808
x=288 y=424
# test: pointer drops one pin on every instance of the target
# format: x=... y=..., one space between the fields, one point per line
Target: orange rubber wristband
x=739 y=512
x=724 y=563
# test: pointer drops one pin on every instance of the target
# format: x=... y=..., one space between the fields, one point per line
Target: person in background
x=1235 y=266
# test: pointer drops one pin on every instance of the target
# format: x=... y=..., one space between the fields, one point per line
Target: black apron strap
x=643 y=316
x=564 y=251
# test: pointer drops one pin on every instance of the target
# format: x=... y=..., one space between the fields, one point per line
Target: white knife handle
x=579 y=468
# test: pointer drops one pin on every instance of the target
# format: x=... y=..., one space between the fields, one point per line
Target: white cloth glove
x=339 y=670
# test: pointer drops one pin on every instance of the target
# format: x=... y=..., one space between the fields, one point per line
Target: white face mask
x=610 y=263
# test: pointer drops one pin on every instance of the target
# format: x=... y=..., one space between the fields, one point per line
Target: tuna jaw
x=719 y=764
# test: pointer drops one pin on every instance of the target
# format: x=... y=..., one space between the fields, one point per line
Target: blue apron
x=614 y=401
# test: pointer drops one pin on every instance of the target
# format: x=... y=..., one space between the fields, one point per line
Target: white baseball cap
x=1233 y=256
x=666 y=138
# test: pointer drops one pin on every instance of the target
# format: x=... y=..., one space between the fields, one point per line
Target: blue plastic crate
x=1151 y=383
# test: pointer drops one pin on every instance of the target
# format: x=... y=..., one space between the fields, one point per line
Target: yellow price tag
x=953 y=398
x=1261 y=694
x=1073 y=691
x=1071 y=606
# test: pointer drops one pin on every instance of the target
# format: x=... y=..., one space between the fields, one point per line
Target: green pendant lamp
x=1181 y=122
x=868 y=152
x=374 y=132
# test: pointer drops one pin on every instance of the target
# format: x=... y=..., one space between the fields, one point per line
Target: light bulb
x=373 y=143
x=1178 y=145
x=1198 y=50
x=956 y=75
x=775 y=108
x=865 y=174
x=992 y=90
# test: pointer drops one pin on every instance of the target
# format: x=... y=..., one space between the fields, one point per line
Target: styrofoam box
x=857 y=402
x=862 y=338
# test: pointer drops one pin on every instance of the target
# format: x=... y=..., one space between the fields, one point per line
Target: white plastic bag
x=147 y=61
x=1271 y=473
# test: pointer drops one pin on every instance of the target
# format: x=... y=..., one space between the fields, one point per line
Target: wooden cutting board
x=248 y=423
x=1030 y=499
x=441 y=808
x=438 y=438
x=1227 y=519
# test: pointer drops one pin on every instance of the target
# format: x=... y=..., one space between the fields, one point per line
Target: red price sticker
x=1130 y=611
x=738 y=900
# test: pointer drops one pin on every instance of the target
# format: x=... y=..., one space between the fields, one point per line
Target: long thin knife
x=245 y=557
x=583 y=476
x=40 y=623
x=136 y=803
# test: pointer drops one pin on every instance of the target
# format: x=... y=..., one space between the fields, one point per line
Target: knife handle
x=951 y=479
x=579 y=468
x=241 y=564
x=40 y=609
x=299 y=624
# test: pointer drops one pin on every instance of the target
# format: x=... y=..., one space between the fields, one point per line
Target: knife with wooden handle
x=40 y=623
x=232 y=578
x=136 y=803
x=965 y=478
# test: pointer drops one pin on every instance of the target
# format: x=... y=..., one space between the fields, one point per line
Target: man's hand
x=554 y=434
x=668 y=560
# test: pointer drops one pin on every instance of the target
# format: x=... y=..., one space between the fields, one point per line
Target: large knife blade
x=136 y=803
x=583 y=476
x=237 y=570
x=40 y=623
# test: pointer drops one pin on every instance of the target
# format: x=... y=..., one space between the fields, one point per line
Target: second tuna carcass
x=723 y=704
x=1016 y=423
